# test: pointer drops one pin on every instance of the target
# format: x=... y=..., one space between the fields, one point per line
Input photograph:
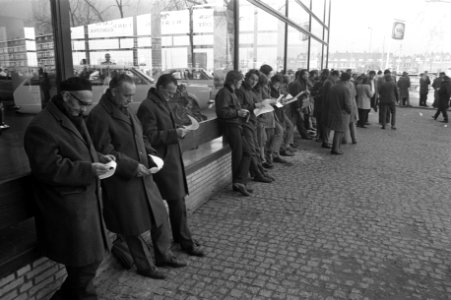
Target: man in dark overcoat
x=444 y=94
x=133 y=203
x=65 y=169
x=159 y=127
x=339 y=111
x=388 y=97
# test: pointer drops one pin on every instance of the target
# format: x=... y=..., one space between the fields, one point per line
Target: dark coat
x=339 y=107
x=403 y=85
x=424 y=85
x=444 y=93
x=388 y=92
x=67 y=193
x=159 y=127
x=227 y=106
x=129 y=200
x=324 y=106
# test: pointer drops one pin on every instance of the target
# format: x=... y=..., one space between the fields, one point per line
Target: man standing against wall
x=159 y=127
x=65 y=169
x=133 y=204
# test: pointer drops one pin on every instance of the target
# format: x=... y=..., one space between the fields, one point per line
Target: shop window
x=26 y=82
x=157 y=40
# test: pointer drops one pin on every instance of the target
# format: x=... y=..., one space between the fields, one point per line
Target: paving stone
x=373 y=223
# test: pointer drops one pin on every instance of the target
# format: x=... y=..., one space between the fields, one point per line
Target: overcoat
x=403 y=85
x=130 y=201
x=352 y=100
x=388 y=92
x=159 y=127
x=444 y=93
x=325 y=90
x=69 y=219
x=364 y=95
x=339 y=107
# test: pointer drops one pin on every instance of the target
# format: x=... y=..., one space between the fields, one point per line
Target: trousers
x=179 y=223
x=78 y=284
x=241 y=158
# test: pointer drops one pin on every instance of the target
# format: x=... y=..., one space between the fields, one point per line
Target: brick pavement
x=373 y=223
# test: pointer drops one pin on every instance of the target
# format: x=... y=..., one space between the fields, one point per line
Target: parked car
x=29 y=95
x=198 y=82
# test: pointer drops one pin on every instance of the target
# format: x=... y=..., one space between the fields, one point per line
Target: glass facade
x=261 y=37
x=27 y=76
x=197 y=43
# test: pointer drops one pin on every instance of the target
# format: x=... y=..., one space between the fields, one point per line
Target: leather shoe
x=262 y=179
x=443 y=121
x=279 y=160
x=393 y=127
x=327 y=146
x=171 y=262
x=336 y=152
x=242 y=189
x=194 y=251
x=286 y=153
x=152 y=273
x=269 y=176
x=248 y=188
x=267 y=165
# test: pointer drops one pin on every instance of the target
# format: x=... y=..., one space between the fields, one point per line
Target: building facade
x=45 y=41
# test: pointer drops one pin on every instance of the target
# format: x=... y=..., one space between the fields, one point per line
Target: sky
x=366 y=25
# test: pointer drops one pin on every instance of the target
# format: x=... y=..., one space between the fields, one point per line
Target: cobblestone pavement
x=374 y=223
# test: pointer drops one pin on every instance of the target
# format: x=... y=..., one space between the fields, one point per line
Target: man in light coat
x=133 y=204
x=65 y=169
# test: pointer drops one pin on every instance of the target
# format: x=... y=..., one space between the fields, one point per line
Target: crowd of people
x=258 y=114
x=314 y=103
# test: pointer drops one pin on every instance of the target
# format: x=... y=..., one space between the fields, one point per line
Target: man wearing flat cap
x=65 y=169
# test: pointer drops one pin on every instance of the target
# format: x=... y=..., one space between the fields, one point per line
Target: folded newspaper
x=111 y=169
x=158 y=161
x=194 y=124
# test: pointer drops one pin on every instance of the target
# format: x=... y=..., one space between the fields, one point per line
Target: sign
x=203 y=20
x=77 y=32
x=143 y=24
x=118 y=27
x=174 y=22
x=399 y=28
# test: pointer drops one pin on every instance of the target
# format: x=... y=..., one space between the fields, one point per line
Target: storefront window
x=317 y=29
x=297 y=51
x=148 y=38
x=318 y=8
x=298 y=15
x=261 y=39
x=315 y=55
x=27 y=76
